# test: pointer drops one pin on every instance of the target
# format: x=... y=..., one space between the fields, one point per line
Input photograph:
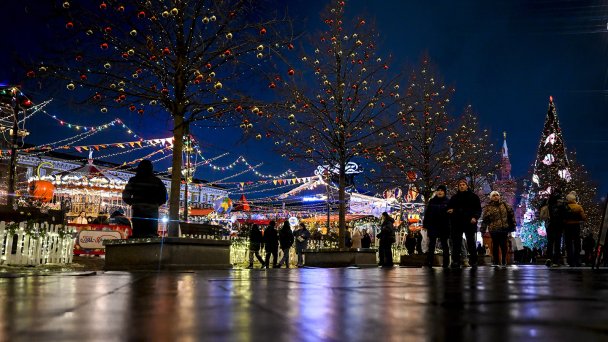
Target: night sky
x=504 y=57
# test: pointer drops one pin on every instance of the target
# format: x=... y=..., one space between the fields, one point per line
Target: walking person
x=437 y=223
x=498 y=218
x=573 y=216
x=271 y=244
x=555 y=229
x=387 y=238
x=255 y=243
x=301 y=236
x=366 y=240
x=356 y=239
x=145 y=193
x=464 y=209
x=588 y=246
x=286 y=240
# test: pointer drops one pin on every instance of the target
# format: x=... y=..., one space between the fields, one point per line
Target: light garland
x=235 y=175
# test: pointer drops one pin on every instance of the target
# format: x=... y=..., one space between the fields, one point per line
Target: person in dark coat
x=588 y=246
x=286 y=241
x=301 y=236
x=437 y=223
x=271 y=244
x=366 y=240
x=555 y=229
x=119 y=218
x=464 y=209
x=255 y=243
x=387 y=238
x=145 y=193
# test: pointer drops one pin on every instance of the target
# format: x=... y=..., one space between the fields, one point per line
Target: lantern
x=41 y=190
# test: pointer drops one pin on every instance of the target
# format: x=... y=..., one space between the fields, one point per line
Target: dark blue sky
x=504 y=57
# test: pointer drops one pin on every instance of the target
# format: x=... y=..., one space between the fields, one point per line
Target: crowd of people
x=447 y=219
x=453 y=221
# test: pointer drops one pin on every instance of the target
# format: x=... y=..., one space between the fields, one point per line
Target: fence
x=32 y=244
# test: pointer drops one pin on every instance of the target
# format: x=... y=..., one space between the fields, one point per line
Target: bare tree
x=419 y=154
x=472 y=155
x=339 y=97
x=184 y=58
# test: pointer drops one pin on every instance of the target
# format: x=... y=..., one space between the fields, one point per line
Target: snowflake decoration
x=549 y=159
x=535 y=179
x=550 y=139
x=565 y=175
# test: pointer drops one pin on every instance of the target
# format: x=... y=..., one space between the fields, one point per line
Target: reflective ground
x=400 y=304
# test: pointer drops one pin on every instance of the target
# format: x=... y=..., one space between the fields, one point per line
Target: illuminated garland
x=262 y=190
x=235 y=175
x=92 y=128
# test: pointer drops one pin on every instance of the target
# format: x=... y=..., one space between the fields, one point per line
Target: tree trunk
x=176 y=176
x=342 y=206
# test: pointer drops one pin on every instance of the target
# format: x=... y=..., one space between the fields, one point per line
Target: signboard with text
x=90 y=237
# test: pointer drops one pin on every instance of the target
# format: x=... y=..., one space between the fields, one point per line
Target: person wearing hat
x=499 y=220
x=118 y=217
x=573 y=216
x=145 y=193
x=437 y=223
x=464 y=209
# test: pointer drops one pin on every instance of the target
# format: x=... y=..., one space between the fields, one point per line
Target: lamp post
x=12 y=166
x=12 y=95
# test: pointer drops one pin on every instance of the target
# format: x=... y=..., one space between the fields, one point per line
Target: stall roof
x=200 y=211
x=334 y=218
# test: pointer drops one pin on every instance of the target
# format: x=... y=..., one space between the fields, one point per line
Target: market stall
x=90 y=189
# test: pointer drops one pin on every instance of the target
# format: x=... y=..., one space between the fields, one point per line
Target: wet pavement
x=400 y=304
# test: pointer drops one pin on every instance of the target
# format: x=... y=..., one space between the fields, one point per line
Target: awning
x=200 y=212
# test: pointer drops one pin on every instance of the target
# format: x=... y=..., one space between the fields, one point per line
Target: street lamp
x=12 y=95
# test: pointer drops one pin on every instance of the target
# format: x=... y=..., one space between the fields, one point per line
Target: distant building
x=505 y=184
x=54 y=165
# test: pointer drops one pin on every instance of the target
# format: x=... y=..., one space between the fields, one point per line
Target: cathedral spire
x=505 y=165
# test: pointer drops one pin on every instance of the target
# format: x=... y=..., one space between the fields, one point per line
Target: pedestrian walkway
x=401 y=304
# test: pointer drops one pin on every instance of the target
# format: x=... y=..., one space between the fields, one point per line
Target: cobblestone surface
x=402 y=304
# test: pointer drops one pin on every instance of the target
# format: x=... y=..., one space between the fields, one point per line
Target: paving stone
x=307 y=304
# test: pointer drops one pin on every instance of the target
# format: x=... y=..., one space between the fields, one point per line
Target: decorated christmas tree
x=551 y=171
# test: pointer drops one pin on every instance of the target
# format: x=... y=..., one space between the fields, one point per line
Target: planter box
x=360 y=257
x=167 y=254
x=417 y=260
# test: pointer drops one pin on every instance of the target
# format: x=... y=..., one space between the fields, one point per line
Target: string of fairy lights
x=87 y=131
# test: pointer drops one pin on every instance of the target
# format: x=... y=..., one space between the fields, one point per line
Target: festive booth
x=91 y=189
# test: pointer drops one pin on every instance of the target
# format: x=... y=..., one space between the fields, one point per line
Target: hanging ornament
x=535 y=179
x=550 y=139
x=549 y=159
x=411 y=176
x=565 y=175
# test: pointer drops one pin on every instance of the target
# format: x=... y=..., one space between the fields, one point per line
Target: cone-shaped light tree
x=551 y=171
x=183 y=59
x=338 y=97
